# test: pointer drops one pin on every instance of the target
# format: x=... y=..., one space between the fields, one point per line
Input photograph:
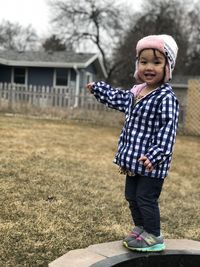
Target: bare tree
x=15 y=37
x=193 y=64
x=96 y=25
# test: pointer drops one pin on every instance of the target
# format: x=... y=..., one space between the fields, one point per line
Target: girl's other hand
x=146 y=163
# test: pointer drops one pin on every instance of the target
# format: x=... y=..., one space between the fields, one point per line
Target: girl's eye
x=143 y=62
x=157 y=62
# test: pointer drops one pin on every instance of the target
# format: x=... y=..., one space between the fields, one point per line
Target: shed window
x=61 y=77
x=19 y=75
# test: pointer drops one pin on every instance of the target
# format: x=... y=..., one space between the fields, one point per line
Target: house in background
x=54 y=69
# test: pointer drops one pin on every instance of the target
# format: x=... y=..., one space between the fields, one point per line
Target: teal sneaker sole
x=155 y=248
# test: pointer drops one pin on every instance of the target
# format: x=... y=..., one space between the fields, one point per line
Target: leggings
x=142 y=194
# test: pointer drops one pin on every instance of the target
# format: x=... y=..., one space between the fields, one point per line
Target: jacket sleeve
x=162 y=145
x=113 y=98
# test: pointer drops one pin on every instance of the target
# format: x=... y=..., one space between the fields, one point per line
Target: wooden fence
x=192 y=121
x=12 y=95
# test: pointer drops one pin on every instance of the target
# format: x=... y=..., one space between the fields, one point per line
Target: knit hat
x=166 y=45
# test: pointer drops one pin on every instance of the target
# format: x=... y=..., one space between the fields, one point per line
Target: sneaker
x=146 y=242
x=137 y=230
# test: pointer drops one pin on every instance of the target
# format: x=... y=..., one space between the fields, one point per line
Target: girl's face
x=151 y=66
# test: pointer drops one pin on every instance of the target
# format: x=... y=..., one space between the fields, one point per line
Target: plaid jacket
x=149 y=128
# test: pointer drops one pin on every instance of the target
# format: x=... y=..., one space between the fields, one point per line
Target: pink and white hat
x=166 y=45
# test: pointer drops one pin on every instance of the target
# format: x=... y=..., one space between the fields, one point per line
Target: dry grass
x=61 y=191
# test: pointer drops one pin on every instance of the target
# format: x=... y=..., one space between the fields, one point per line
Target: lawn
x=60 y=190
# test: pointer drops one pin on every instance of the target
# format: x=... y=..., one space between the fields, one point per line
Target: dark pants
x=142 y=194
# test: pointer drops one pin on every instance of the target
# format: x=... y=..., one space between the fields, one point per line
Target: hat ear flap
x=136 y=70
x=168 y=73
x=136 y=76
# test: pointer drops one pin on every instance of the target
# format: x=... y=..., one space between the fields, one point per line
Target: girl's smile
x=151 y=67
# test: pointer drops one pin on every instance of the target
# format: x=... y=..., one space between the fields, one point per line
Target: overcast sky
x=26 y=12
x=36 y=12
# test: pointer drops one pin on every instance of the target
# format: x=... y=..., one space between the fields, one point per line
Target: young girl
x=148 y=135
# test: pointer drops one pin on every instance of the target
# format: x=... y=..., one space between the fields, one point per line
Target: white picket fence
x=12 y=95
x=15 y=97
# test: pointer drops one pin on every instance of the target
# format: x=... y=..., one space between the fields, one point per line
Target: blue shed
x=56 y=69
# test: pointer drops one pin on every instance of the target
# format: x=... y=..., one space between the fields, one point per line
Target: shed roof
x=49 y=59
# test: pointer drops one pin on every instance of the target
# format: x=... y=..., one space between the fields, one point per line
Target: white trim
x=103 y=68
x=69 y=77
x=26 y=76
x=91 y=60
x=77 y=89
x=12 y=75
x=54 y=77
x=43 y=64
x=96 y=57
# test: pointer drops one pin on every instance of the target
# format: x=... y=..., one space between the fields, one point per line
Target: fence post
x=10 y=95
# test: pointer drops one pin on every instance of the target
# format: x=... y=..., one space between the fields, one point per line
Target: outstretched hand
x=89 y=86
x=146 y=162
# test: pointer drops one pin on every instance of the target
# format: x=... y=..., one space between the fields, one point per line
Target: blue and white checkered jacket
x=149 y=129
